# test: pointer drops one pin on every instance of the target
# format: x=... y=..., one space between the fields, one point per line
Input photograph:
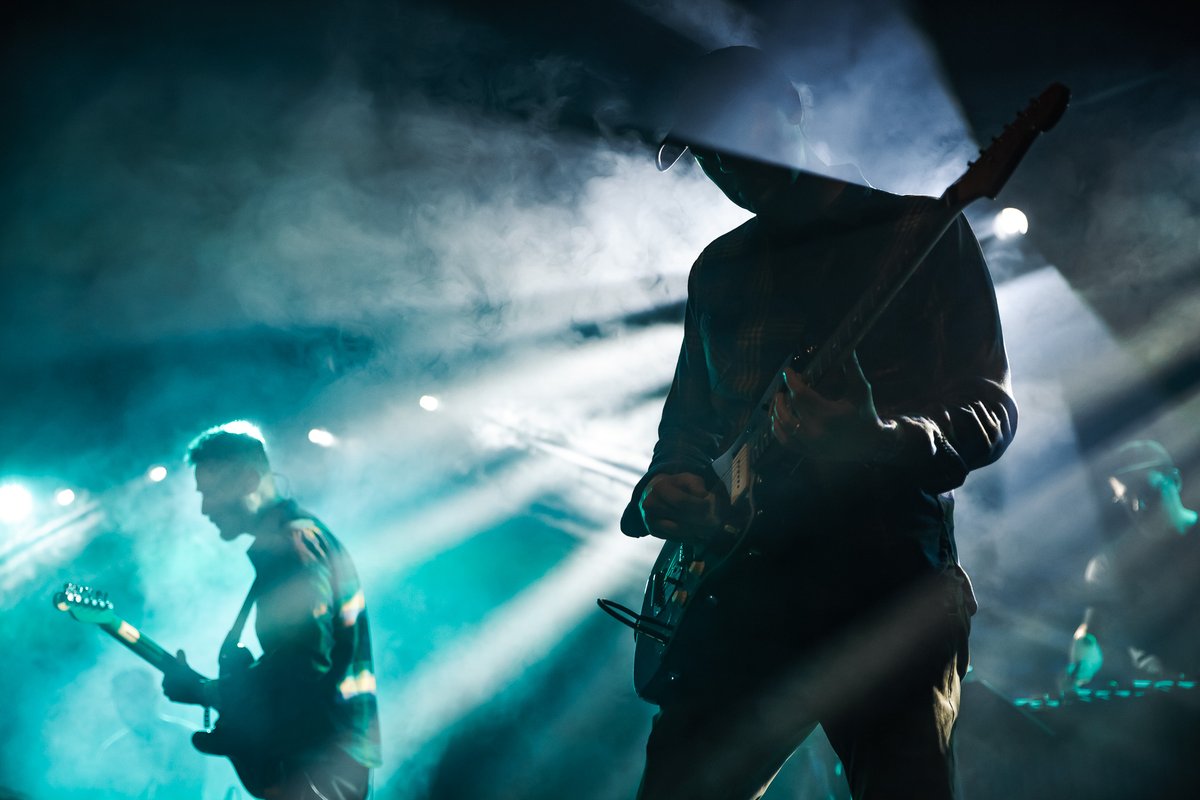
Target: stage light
x=322 y=437
x=244 y=427
x=157 y=473
x=64 y=497
x=429 y=402
x=16 y=503
x=1010 y=222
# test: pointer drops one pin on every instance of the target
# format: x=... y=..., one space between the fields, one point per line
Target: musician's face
x=749 y=183
x=1152 y=497
x=226 y=496
x=754 y=157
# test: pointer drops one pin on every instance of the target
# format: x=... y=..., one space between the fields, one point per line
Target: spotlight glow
x=16 y=503
x=322 y=437
x=157 y=473
x=1010 y=222
x=429 y=402
x=64 y=497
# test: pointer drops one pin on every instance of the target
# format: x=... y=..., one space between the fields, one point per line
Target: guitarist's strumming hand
x=680 y=507
x=846 y=429
x=182 y=684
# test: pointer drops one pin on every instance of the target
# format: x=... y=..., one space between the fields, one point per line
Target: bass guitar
x=236 y=734
x=683 y=574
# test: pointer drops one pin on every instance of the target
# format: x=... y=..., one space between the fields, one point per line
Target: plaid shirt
x=935 y=359
x=316 y=672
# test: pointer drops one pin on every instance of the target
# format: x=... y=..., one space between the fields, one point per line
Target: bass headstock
x=85 y=604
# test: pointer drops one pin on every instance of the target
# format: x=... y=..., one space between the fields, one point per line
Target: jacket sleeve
x=952 y=398
x=688 y=433
x=295 y=620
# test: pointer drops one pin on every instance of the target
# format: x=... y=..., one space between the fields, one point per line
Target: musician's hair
x=221 y=445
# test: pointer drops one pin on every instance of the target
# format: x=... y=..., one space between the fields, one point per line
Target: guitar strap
x=233 y=638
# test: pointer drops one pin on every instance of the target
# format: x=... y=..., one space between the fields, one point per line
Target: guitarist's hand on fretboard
x=845 y=429
x=182 y=684
x=680 y=507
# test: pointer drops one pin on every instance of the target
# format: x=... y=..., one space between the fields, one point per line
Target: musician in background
x=1143 y=587
x=852 y=611
x=313 y=688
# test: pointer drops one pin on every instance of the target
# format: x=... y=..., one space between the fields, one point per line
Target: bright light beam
x=417 y=538
x=16 y=503
x=47 y=542
x=464 y=674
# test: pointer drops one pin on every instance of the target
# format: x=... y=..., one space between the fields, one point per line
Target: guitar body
x=241 y=730
x=259 y=775
x=682 y=593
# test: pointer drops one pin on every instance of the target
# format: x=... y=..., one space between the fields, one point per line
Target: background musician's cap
x=1137 y=456
x=714 y=103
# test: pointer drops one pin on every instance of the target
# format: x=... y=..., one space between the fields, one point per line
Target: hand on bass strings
x=182 y=684
x=680 y=507
x=845 y=429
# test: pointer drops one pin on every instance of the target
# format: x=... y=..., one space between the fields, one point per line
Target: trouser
x=332 y=775
x=885 y=689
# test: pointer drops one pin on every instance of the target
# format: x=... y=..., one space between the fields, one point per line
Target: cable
x=641 y=624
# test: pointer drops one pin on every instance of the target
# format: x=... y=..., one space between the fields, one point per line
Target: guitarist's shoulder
x=308 y=542
x=729 y=245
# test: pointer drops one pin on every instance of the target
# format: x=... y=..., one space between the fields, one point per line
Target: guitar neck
x=142 y=646
x=919 y=231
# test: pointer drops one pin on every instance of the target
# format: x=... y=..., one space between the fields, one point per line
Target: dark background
x=311 y=213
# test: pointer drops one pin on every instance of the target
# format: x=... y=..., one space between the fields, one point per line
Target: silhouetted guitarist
x=851 y=610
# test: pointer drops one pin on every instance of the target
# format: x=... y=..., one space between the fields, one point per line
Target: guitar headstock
x=85 y=604
x=986 y=176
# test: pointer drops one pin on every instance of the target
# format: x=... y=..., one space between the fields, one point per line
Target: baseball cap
x=713 y=105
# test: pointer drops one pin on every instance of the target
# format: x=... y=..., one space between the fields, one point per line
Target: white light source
x=16 y=503
x=157 y=473
x=64 y=497
x=1010 y=222
x=322 y=437
x=429 y=402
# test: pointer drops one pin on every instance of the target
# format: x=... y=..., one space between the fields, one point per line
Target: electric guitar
x=236 y=735
x=683 y=574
